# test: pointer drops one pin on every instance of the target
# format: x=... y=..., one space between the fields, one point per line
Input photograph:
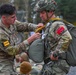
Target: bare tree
x=3 y=1
x=26 y=9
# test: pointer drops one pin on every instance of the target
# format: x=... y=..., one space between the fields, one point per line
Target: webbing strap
x=63 y=69
x=52 y=19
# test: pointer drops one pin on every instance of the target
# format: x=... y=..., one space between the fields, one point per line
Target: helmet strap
x=49 y=16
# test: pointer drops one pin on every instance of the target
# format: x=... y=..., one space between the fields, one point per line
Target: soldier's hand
x=21 y=57
x=54 y=56
x=33 y=37
x=40 y=25
x=18 y=58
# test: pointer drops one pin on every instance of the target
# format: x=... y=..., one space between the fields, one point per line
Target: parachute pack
x=71 y=52
x=36 y=50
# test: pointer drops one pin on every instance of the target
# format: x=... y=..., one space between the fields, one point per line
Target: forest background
x=66 y=10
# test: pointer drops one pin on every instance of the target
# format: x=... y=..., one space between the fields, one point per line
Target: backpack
x=71 y=52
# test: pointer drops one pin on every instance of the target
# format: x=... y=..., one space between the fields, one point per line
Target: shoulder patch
x=60 y=30
x=6 y=43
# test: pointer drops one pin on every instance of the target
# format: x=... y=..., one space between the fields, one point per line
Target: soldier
x=57 y=37
x=12 y=41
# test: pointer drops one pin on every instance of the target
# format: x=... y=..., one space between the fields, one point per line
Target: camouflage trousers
x=8 y=73
x=6 y=68
x=55 y=68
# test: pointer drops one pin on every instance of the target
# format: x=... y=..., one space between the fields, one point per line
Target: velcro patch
x=6 y=43
x=60 y=30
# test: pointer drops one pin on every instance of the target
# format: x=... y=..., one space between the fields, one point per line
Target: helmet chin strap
x=48 y=17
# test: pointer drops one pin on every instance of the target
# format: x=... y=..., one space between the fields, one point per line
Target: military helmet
x=45 y=5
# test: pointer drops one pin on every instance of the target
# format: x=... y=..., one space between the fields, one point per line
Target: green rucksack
x=71 y=52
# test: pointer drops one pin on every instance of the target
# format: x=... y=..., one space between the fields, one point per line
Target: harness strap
x=63 y=68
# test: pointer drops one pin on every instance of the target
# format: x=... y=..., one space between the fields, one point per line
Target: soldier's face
x=46 y=15
x=43 y=16
x=10 y=19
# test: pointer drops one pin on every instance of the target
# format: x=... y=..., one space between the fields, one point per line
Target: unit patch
x=60 y=30
x=6 y=43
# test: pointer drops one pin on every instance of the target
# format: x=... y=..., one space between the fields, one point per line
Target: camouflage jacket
x=11 y=40
x=58 y=36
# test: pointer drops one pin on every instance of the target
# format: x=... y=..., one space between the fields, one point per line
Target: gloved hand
x=54 y=55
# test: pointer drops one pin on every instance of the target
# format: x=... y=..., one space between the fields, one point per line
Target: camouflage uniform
x=11 y=43
x=59 y=39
